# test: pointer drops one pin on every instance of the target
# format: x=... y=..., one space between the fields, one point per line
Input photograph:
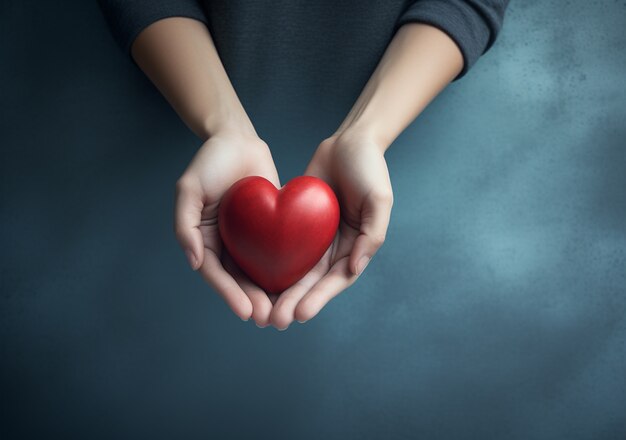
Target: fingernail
x=362 y=264
x=282 y=329
x=301 y=322
x=193 y=261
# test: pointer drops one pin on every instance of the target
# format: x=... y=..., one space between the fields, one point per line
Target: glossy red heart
x=277 y=236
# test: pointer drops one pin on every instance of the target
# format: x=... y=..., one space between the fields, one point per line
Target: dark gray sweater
x=299 y=59
x=261 y=34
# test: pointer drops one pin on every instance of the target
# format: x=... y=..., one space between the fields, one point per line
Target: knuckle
x=384 y=198
x=262 y=144
x=378 y=239
x=259 y=149
x=183 y=184
x=327 y=143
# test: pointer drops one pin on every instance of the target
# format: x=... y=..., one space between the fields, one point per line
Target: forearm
x=418 y=63
x=179 y=57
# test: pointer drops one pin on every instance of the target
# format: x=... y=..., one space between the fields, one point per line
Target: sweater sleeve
x=472 y=24
x=127 y=18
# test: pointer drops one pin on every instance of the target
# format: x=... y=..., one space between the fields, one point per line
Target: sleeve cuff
x=127 y=18
x=459 y=20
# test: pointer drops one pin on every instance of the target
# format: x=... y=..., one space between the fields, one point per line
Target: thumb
x=187 y=216
x=375 y=215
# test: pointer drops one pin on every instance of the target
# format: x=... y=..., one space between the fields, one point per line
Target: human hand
x=221 y=161
x=354 y=166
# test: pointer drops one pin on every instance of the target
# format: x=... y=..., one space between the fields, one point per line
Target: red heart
x=277 y=236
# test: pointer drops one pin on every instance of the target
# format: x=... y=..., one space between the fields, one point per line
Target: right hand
x=221 y=161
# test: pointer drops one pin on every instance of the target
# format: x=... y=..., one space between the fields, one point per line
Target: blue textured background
x=496 y=309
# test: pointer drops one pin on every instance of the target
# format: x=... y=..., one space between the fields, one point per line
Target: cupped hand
x=354 y=166
x=222 y=160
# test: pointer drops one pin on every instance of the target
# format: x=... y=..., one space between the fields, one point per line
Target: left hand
x=355 y=168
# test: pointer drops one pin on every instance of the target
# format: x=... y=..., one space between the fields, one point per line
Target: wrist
x=227 y=121
x=361 y=134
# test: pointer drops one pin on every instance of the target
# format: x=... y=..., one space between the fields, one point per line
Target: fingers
x=338 y=279
x=284 y=311
x=261 y=304
x=375 y=215
x=187 y=214
x=226 y=286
